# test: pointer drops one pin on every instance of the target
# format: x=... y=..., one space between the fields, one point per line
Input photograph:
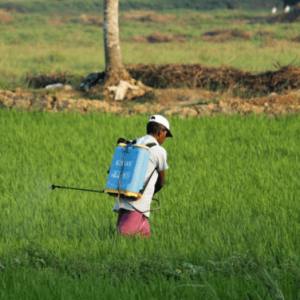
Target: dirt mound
x=296 y=39
x=291 y=17
x=5 y=17
x=41 y=81
x=199 y=76
x=219 y=36
x=158 y=38
x=66 y=100
x=91 y=20
x=274 y=105
x=147 y=16
x=195 y=76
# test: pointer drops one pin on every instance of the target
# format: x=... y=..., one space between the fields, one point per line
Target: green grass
x=229 y=217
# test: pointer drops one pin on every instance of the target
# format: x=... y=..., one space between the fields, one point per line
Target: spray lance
x=127 y=173
x=103 y=192
x=72 y=188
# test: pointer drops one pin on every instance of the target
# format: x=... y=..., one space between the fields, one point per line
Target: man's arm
x=158 y=185
x=160 y=181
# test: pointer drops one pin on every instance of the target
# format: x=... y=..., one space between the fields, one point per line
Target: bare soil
x=182 y=102
x=188 y=90
x=220 y=36
x=5 y=17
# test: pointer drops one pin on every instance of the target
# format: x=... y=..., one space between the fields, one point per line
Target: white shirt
x=158 y=160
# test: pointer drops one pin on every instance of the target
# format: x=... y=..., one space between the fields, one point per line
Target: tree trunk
x=115 y=69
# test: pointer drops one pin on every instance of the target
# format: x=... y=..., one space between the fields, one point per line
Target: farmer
x=133 y=214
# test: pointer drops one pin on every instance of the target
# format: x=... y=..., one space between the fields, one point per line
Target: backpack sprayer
x=126 y=176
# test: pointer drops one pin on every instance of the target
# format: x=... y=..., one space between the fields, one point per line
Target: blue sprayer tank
x=131 y=162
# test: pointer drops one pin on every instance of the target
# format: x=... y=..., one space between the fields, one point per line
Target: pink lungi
x=133 y=222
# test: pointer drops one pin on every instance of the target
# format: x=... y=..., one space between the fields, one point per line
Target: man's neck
x=153 y=135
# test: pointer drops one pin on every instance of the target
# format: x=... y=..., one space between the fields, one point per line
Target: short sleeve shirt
x=158 y=161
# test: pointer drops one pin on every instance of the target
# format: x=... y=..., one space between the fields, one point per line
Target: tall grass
x=229 y=213
x=27 y=284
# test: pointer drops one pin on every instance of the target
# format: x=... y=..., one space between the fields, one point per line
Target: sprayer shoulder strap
x=146 y=184
x=151 y=145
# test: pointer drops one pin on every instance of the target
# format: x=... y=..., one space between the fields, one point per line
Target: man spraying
x=133 y=214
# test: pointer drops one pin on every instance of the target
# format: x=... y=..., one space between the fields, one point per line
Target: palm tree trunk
x=113 y=56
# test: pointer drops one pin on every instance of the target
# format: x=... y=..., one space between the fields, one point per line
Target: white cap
x=163 y=121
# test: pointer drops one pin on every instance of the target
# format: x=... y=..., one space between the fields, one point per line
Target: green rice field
x=228 y=228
